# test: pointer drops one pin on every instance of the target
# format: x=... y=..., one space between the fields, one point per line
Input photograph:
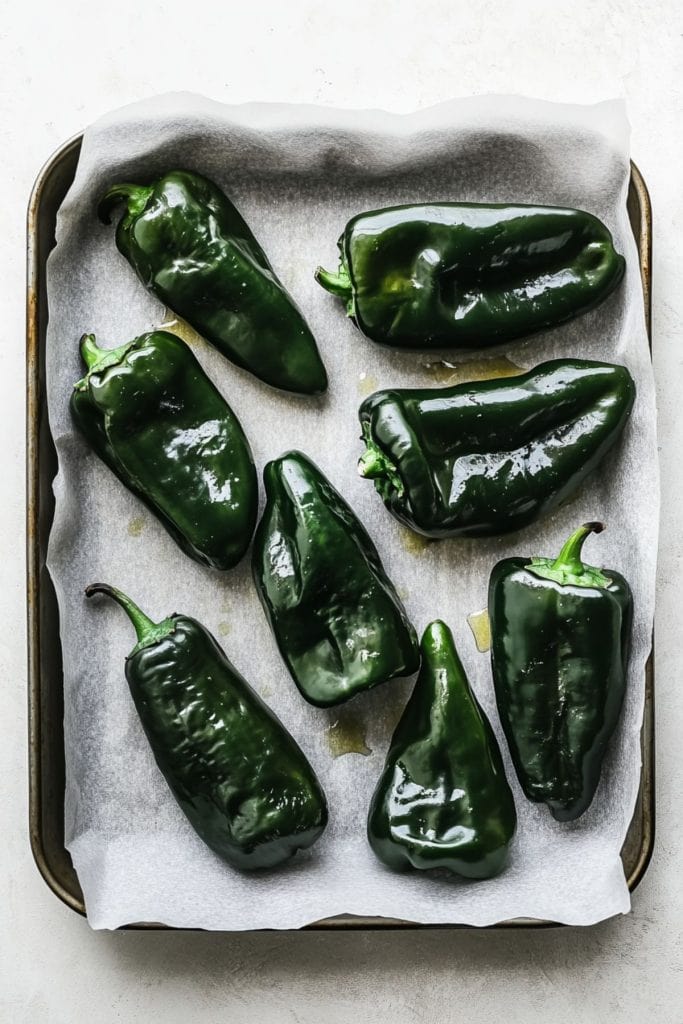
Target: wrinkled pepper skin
x=153 y=416
x=443 y=800
x=240 y=778
x=337 y=619
x=190 y=247
x=450 y=275
x=489 y=457
x=560 y=637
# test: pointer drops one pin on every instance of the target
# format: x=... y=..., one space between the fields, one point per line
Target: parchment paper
x=297 y=174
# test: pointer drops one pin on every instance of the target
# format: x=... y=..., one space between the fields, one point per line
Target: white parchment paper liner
x=298 y=174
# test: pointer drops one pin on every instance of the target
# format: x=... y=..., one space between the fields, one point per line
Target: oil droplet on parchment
x=480 y=625
x=447 y=373
x=366 y=384
x=224 y=628
x=346 y=736
x=136 y=526
x=266 y=691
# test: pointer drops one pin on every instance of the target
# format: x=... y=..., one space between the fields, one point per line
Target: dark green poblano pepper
x=560 y=637
x=153 y=416
x=443 y=800
x=336 y=617
x=241 y=779
x=449 y=275
x=488 y=457
x=192 y=249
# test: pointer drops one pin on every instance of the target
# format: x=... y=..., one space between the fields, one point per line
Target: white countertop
x=62 y=65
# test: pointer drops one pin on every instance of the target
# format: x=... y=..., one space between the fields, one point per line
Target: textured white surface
x=62 y=66
x=129 y=841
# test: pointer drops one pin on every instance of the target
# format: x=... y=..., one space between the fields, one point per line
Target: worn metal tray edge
x=46 y=757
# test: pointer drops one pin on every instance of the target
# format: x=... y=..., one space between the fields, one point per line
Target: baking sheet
x=298 y=174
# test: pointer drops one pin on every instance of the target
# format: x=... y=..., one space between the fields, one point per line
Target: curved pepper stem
x=569 y=558
x=134 y=196
x=337 y=284
x=96 y=358
x=568 y=569
x=91 y=353
x=147 y=631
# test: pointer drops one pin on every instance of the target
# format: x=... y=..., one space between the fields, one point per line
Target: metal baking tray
x=45 y=675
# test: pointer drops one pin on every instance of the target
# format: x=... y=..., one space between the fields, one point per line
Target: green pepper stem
x=568 y=569
x=96 y=358
x=372 y=463
x=91 y=353
x=135 y=197
x=569 y=558
x=337 y=284
x=147 y=631
x=375 y=465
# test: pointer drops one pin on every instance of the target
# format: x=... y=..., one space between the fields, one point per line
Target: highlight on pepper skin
x=339 y=624
x=187 y=457
x=453 y=275
x=560 y=641
x=488 y=457
x=242 y=781
x=443 y=800
x=191 y=248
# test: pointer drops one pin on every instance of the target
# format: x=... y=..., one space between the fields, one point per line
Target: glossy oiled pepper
x=443 y=800
x=446 y=275
x=192 y=249
x=150 y=412
x=336 y=617
x=244 y=784
x=560 y=636
x=491 y=456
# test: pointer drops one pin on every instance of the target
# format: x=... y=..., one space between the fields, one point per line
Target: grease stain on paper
x=446 y=373
x=414 y=543
x=366 y=384
x=480 y=625
x=136 y=526
x=347 y=736
x=181 y=329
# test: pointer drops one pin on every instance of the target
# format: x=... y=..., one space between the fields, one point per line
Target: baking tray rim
x=638 y=199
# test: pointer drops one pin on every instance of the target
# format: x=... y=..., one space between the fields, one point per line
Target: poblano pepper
x=336 y=617
x=244 y=784
x=488 y=457
x=153 y=416
x=192 y=249
x=560 y=636
x=448 y=275
x=443 y=800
